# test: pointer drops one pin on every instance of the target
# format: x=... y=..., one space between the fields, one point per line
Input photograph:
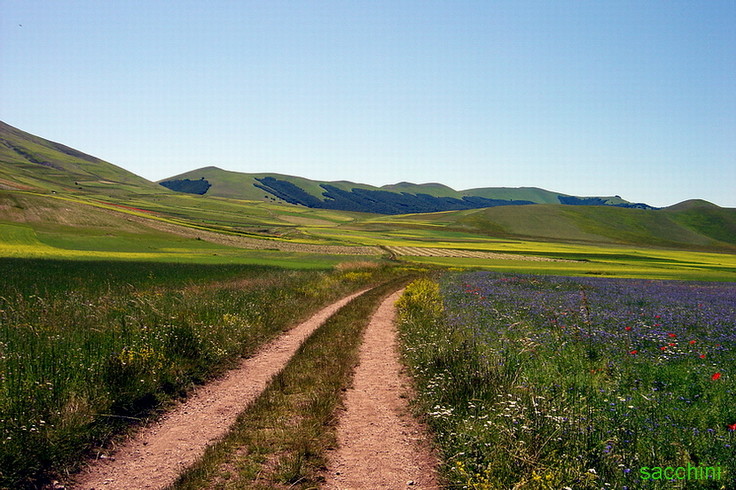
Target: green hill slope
x=400 y=198
x=698 y=227
x=238 y=185
x=706 y=219
x=28 y=162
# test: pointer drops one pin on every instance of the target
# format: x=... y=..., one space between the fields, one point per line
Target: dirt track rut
x=380 y=444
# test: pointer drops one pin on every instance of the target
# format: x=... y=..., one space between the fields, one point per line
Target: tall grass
x=86 y=348
x=549 y=383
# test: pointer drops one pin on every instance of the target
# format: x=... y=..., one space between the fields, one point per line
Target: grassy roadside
x=281 y=440
x=85 y=348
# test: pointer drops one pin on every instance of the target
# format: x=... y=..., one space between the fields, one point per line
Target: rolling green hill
x=47 y=185
x=401 y=198
x=28 y=162
x=696 y=225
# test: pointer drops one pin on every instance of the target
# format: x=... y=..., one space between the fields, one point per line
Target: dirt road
x=156 y=455
x=380 y=444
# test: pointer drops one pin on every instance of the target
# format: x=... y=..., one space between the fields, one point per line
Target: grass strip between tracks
x=280 y=441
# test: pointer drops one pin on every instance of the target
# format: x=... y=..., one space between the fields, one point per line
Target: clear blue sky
x=636 y=98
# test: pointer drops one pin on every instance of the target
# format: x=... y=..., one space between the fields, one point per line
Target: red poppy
x=627 y=328
x=702 y=356
x=672 y=345
x=657 y=316
x=633 y=351
x=692 y=342
x=672 y=335
x=664 y=347
x=716 y=376
x=732 y=427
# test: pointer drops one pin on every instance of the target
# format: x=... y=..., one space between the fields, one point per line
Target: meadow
x=197 y=229
x=546 y=382
x=86 y=348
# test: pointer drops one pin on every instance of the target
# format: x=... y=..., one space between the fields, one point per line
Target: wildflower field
x=88 y=347
x=547 y=382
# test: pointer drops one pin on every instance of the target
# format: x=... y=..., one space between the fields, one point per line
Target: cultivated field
x=471 y=254
x=202 y=230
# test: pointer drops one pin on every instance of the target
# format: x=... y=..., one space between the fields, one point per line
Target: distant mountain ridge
x=401 y=198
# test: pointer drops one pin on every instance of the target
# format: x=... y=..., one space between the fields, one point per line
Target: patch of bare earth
x=380 y=444
x=156 y=455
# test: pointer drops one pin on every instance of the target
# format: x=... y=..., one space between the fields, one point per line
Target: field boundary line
x=156 y=455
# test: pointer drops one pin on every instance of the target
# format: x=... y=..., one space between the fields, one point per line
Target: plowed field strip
x=475 y=254
x=158 y=453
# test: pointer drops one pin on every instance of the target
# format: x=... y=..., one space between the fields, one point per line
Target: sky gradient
x=581 y=97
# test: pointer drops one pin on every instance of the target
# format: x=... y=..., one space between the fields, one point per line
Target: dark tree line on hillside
x=189 y=186
x=375 y=201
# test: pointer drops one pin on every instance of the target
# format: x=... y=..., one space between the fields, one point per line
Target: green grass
x=83 y=345
x=709 y=221
x=702 y=228
x=280 y=441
